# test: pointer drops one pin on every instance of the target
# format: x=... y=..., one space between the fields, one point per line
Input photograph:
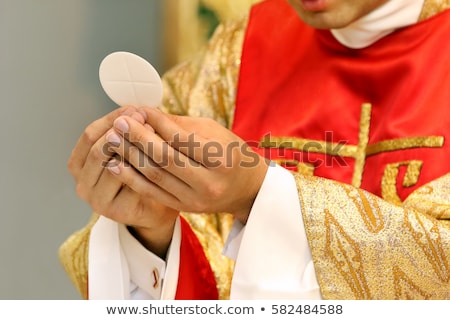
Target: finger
x=155 y=172
x=90 y=136
x=141 y=185
x=156 y=149
x=98 y=157
x=124 y=206
x=105 y=191
x=180 y=132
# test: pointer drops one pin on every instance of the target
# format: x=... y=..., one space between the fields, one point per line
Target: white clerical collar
x=390 y=16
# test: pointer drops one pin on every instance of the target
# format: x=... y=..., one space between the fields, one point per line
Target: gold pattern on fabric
x=346 y=256
x=363 y=140
x=432 y=199
x=390 y=176
x=428 y=239
x=73 y=255
x=212 y=231
x=308 y=145
x=205 y=86
x=351 y=151
x=351 y=259
x=406 y=289
x=405 y=143
x=368 y=210
x=433 y=7
x=302 y=167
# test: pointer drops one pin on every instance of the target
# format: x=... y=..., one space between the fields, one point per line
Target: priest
x=303 y=154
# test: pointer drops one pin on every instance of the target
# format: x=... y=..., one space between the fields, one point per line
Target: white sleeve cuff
x=121 y=268
x=273 y=257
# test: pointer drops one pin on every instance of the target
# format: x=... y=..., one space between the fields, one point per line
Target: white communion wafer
x=130 y=80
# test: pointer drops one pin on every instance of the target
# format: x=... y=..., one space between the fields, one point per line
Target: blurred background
x=50 y=51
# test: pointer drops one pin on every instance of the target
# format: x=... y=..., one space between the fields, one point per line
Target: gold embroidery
x=360 y=153
x=389 y=179
x=308 y=145
x=405 y=143
x=363 y=140
x=432 y=7
x=302 y=167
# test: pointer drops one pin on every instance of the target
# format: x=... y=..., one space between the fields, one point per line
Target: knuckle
x=215 y=191
x=81 y=191
x=71 y=165
x=209 y=121
x=170 y=158
x=155 y=175
x=98 y=155
x=90 y=135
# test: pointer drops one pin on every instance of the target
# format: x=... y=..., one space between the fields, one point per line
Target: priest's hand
x=152 y=222
x=189 y=164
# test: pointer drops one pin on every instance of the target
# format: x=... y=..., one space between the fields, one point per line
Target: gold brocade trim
x=433 y=7
x=405 y=288
x=389 y=179
x=368 y=210
x=73 y=255
x=211 y=231
x=205 y=85
x=346 y=256
x=432 y=199
x=405 y=258
x=427 y=236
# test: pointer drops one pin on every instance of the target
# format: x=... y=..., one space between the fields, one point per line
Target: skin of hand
x=108 y=196
x=187 y=163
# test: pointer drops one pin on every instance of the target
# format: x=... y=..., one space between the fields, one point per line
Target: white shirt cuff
x=121 y=268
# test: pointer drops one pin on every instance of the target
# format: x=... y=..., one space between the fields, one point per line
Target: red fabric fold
x=196 y=279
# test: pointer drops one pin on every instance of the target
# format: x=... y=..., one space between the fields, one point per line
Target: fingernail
x=113 y=167
x=113 y=138
x=121 y=125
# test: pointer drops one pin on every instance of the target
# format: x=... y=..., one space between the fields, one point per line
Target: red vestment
x=296 y=81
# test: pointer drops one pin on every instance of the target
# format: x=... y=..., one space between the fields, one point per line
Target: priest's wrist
x=155 y=239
